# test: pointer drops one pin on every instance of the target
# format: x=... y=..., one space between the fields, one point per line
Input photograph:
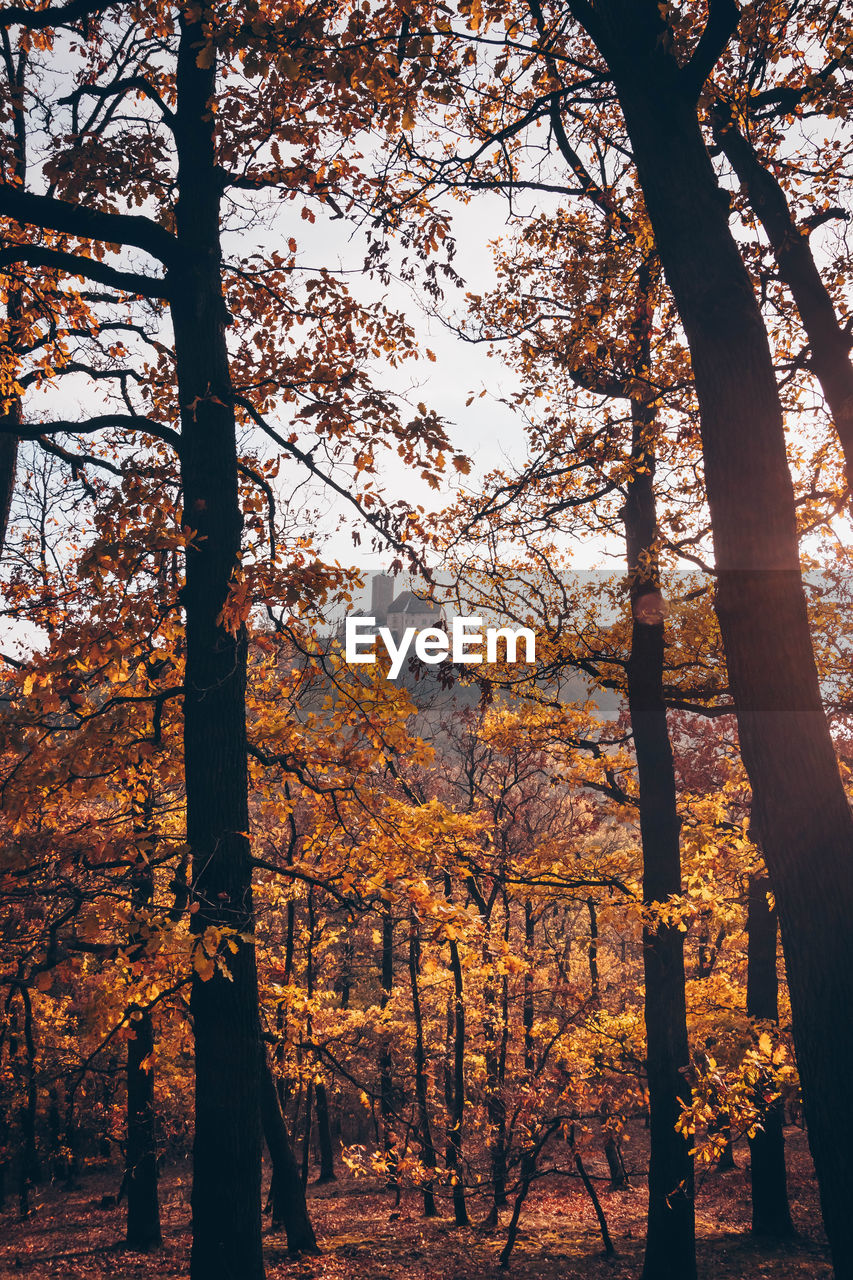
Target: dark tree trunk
x=455 y=1085
x=226 y=1198
x=289 y=1209
x=324 y=1135
x=143 y=1207
x=4 y=1160
x=309 y=1092
x=421 y=1093
x=527 y=1009
x=71 y=1139
x=771 y=1213
x=11 y=419
x=527 y=1173
x=30 y=1172
x=800 y=804
x=829 y=342
x=616 y=1164
x=671 y=1233
x=306 y=1133
x=589 y=1188
x=592 y=953
x=386 y=1064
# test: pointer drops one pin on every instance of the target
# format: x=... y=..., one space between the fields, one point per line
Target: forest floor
x=364 y=1237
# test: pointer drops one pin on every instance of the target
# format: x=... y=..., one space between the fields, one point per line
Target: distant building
x=398 y=613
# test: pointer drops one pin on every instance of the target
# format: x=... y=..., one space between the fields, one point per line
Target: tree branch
x=124 y=421
x=76 y=265
x=58 y=16
x=92 y=224
x=117 y=87
x=723 y=19
x=308 y=462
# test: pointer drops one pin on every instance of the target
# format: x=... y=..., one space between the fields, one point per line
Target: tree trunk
x=12 y=417
x=324 y=1134
x=143 y=1208
x=594 y=988
x=289 y=1209
x=455 y=1085
x=306 y=1133
x=9 y=421
x=616 y=1164
x=671 y=1232
x=830 y=344
x=226 y=1198
x=4 y=1158
x=30 y=1172
x=771 y=1213
x=421 y=1093
x=386 y=1065
x=800 y=803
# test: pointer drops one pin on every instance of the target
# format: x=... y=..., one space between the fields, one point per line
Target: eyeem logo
x=464 y=644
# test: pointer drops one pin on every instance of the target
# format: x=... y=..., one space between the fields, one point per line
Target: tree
x=788 y=755
x=189 y=125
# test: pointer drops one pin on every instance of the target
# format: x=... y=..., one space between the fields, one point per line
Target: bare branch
x=88 y=426
x=75 y=265
x=119 y=87
x=723 y=19
x=92 y=224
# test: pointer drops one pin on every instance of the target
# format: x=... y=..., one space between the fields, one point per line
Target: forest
x=532 y=311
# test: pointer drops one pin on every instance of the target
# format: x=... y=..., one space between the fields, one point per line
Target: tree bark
x=143 y=1207
x=671 y=1231
x=455 y=1085
x=421 y=1092
x=830 y=344
x=12 y=416
x=226 y=1197
x=800 y=803
x=289 y=1208
x=592 y=952
x=386 y=1065
x=30 y=1171
x=771 y=1212
x=324 y=1135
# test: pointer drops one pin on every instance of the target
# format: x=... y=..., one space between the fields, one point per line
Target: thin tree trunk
x=226 y=1197
x=4 y=1161
x=671 y=1233
x=306 y=1133
x=386 y=1065
x=10 y=421
x=592 y=952
x=771 y=1212
x=143 y=1206
x=615 y=1163
x=421 y=1092
x=11 y=417
x=289 y=1208
x=30 y=1172
x=324 y=1134
x=527 y=1010
x=829 y=341
x=589 y=1187
x=455 y=1085
x=800 y=803
x=527 y=1173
